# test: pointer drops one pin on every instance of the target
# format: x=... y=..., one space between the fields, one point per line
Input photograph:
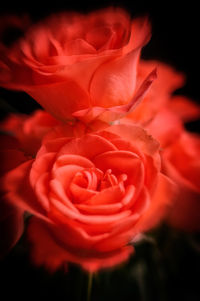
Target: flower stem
x=89 y=290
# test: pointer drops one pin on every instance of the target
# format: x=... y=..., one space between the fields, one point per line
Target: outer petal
x=138 y=136
x=140 y=34
x=108 y=115
x=68 y=94
x=158 y=96
x=160 y=205
x=114 y=83
x=168 y=79
x=46 y=251
x=88 y=146
x=19 y=192
x=29 y=130
x=165 y=127
x=185 y=213
x=185 y=108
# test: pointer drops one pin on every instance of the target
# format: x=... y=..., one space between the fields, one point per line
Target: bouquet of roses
x=109 y=158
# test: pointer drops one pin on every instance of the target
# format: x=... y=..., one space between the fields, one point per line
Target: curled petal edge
x=107 y=116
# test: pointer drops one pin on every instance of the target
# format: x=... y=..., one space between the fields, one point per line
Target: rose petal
x=73 y=160
x=107 y=196
x=114 y=82
x=57 y=191
x=46 y=251
x=160 y=205
x=122 y=162
x=138 y=136
x=89 y=219
x=185 y=108
x=88 y=146
x=19 y=192
x=106 y=209
x=42 y=165
x=67 y=91
x=108 y=115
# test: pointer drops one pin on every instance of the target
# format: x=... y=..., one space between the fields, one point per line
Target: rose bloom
x=181 y=162
x=80 y=66
x=20 y=138
x=28 y=130
x=90 y=195
x=11 y=217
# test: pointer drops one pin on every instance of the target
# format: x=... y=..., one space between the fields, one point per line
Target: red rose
x=11 y=217
x=90 y=195
x=80 y=66
x=28 y=130
x=181 y=162
x=21 y=139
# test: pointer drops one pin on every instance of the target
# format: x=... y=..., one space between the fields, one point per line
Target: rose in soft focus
x=20 y=138
x=180 y=162
x=28 y=130
x=80 y=66
x=11 y=216
x=91 y=195
x=163 y=115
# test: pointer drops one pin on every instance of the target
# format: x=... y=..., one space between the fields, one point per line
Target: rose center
x=89 y=182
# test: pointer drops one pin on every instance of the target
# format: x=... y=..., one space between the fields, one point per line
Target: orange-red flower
x=21 y=138
x=28 y=130
x=181 y=162
x=80 y=66
x=90 y=195
x=11 y=216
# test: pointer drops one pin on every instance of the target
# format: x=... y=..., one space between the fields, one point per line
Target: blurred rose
x=181 y=161
x=20 y=138
x=81 y=66
x=29 y=129
x=180 y=151
x=183 y=107
x=90 y=195
x=11 y=217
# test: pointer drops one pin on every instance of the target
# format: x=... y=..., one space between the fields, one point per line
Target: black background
x=175 y=40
